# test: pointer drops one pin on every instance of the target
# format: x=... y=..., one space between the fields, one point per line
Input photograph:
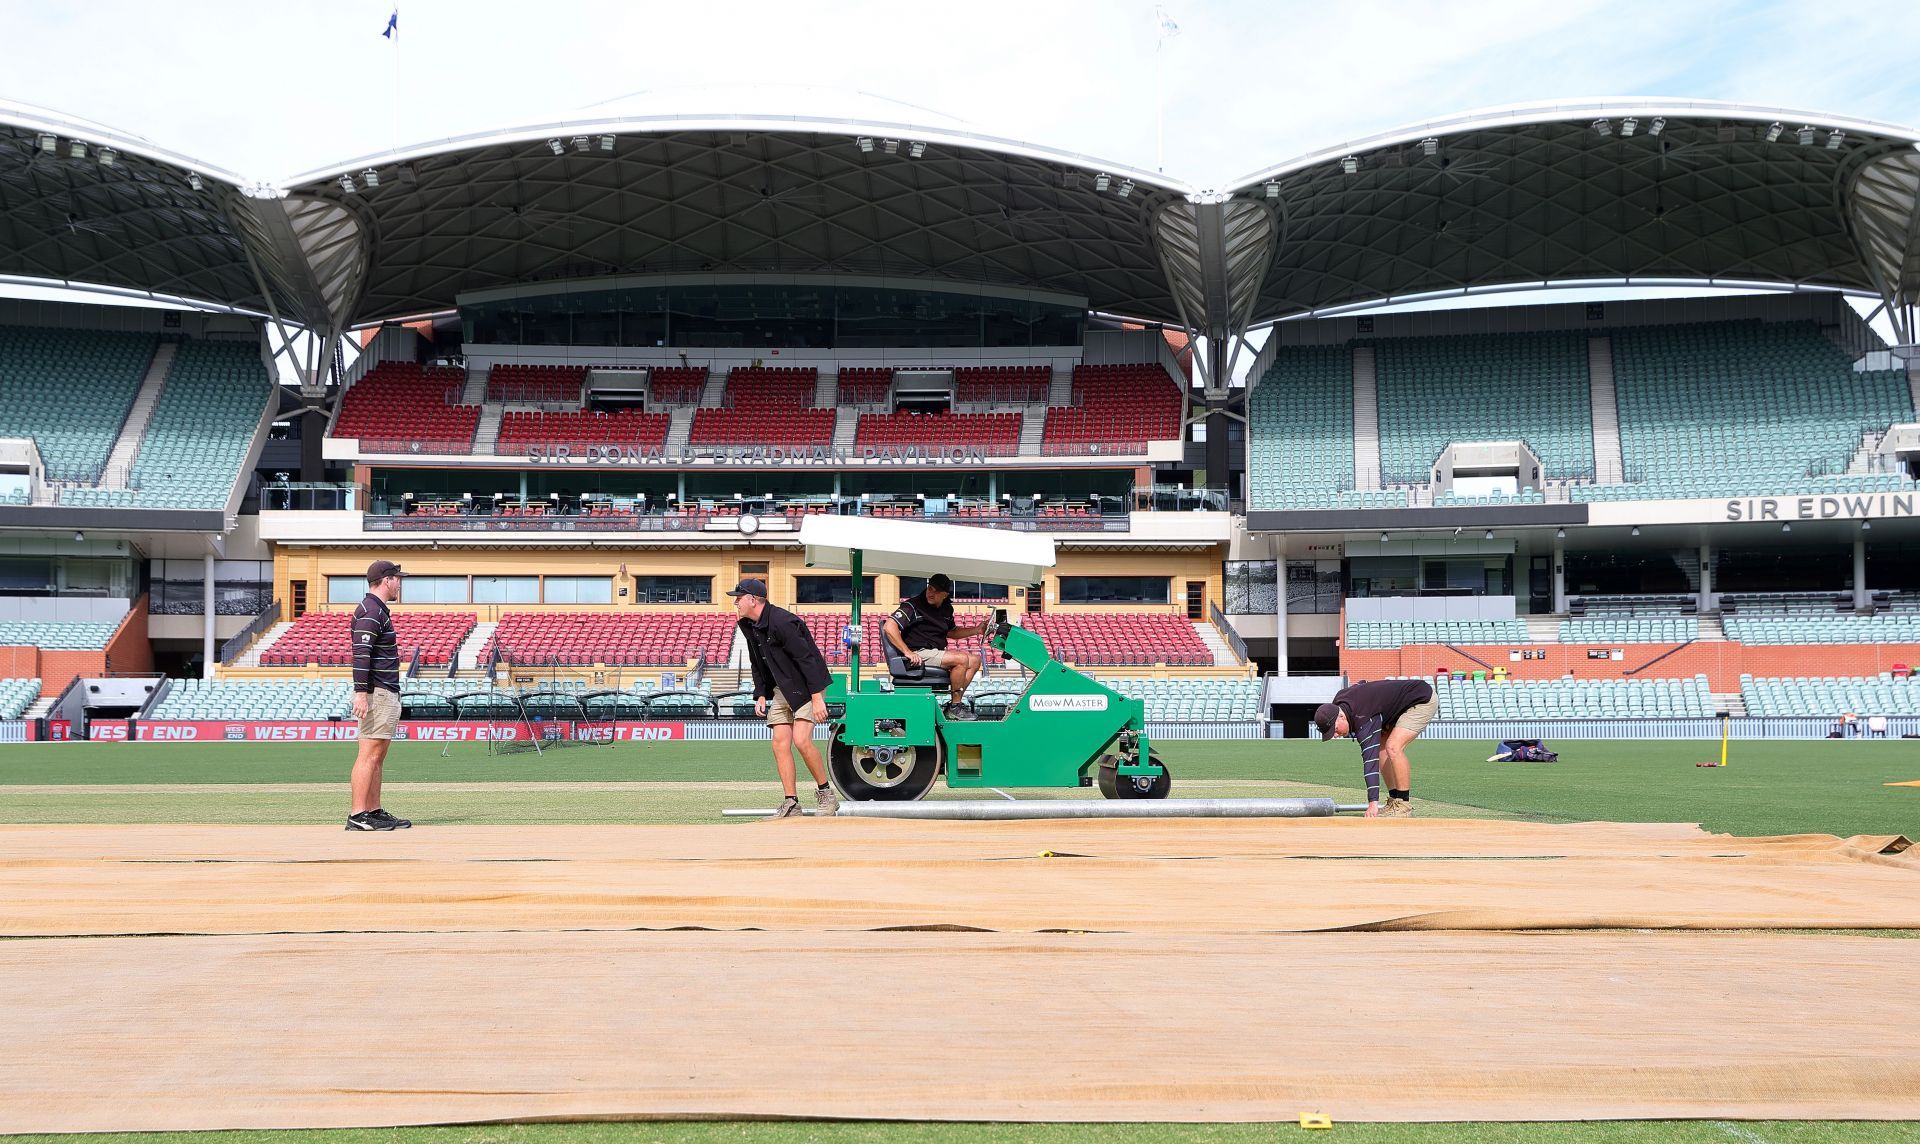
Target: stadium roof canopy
x=1647 y=191
x=86 y=207
x=1641 y=190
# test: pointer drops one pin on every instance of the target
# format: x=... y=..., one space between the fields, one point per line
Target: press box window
x=579 y=590
x=669 y=590
x=831 y=590
x=1114 y=589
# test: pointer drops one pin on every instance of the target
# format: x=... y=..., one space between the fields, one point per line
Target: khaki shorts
x=780 y=712
x=1416 y=717
x=931 y=656
x=383 y=715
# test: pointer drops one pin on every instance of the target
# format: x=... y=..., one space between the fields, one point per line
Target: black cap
x=750 y=588
x=1323 y=717
x=939 y=582
x=381 y=569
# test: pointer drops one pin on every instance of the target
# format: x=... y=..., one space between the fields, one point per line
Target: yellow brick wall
x=784 y=565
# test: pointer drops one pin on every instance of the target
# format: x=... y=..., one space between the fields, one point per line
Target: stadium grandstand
x=1263 y=474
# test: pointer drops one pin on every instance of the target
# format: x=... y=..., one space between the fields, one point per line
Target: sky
x=271 y=89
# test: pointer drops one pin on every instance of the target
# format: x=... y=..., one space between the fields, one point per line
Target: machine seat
x=909 y=673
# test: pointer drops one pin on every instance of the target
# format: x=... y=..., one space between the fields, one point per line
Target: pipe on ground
x=980 y=810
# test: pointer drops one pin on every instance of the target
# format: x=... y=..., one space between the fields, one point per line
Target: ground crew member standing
x=376 y=695
x=789 y=688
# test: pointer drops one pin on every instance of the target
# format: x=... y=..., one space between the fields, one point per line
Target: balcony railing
x=427 y=518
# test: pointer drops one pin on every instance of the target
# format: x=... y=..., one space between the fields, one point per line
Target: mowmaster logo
x=1068 y=703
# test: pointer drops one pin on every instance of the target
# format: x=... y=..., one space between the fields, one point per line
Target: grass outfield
x=1822 y=786
x=1771 y=788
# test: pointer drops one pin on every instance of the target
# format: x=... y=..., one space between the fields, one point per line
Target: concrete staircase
x=475 y=391
x=251 y=657
x=486 y=438
x=468 y=657
x=1033 y=424
x=680 y=428
x=1711 y=631
x=1544 y=629
x=715 y=390
x=40 y=708
x=826 y=390
x=846 y=427
x=1216 y=644
x=1609 y=467
x=1060 y=392
x=1731 y=702
x=1366 y=421
x=1862 y=460
x=127 y=446
x=1913 y=386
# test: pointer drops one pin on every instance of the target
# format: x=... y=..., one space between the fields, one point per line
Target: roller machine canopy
x=915 y=548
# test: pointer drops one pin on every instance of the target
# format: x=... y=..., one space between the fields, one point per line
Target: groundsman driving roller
x=894 y=739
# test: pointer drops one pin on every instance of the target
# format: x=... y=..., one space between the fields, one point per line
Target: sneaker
x=1397 y=808
x=959 y=711
x=827 y=802
x=392 y=822
x=789 y=808
x=365 y=820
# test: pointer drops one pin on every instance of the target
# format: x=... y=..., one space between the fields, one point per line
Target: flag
x=393 y=24
x=1164 y=27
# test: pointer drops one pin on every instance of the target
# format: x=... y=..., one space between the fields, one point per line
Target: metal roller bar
x=973 y=810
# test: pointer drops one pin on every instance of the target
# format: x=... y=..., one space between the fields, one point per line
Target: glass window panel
x=1115 y=589
x=506 y=589
x=671 y=589
x=831 y=589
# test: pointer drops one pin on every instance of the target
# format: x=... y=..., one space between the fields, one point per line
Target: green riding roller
x=894 y=738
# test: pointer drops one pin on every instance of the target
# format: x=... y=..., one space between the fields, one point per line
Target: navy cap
x=750 y=588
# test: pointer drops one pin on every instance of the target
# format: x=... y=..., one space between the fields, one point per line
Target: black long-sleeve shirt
x=784 y=655
x=1372 y=708
x=376 y=649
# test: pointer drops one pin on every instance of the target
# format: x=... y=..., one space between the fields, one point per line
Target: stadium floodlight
x=866 y=144
x=1786 y=528
x=1383 y=538
x=80 y=536
x=1350 y=164
x=1657 y=125
x=916 y=149
x=1101 y=181
x=557 y=147
x=892 y=146
x=581 y=143
x=1636 y=530
x=1273 y=188
x=1835 y=139
x=1489 y=535
x=108 y=156
x=371 y=177
x=49 y=143
x=346 y=184
x=606 y=142
x=76 y=149
x=1806 y=134
x=1628 y=126
x=1429 y=147
x=1560 y=534
x=1773 y=131
x=193 y=181
x=1602 y=127
x=1126 y=187
x=1866 y=526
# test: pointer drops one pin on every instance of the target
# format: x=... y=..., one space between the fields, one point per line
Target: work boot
x=959 y=711
x=826 y=801
x=1397 y=808
x=789 y=808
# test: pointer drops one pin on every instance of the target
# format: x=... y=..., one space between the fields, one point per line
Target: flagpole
x=396 y=81
x=1159 y=103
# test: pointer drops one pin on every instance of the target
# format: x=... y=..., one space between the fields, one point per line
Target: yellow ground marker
x=1915 y=782
x=1315 y=1120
